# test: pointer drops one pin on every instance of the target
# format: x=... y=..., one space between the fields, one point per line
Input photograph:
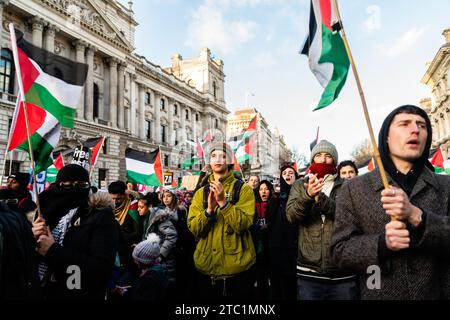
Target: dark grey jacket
x=420 y=272
x=314 y=233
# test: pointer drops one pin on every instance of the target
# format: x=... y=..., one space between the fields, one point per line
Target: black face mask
x=408 y=181
x=57 y=201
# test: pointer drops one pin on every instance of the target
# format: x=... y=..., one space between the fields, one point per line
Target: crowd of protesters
x=313 y=237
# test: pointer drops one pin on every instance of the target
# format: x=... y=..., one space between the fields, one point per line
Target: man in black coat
x=77 y=237
x=406 y=257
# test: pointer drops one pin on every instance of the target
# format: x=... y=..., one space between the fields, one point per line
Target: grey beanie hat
x=147 y=252
x=325 y=146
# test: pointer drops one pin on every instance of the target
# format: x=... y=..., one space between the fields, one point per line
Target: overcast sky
x=259 y=40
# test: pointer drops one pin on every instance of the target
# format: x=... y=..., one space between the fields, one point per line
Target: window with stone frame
x=147 y=98
x=162 y=104
x=7 y=72
x=175 y=110
x=148 y=129
x=163 y=133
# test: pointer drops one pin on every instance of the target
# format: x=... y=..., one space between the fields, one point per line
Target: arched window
x=6 y=72
x=96 y=97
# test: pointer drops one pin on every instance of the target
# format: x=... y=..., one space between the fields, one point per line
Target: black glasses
x=75 y=185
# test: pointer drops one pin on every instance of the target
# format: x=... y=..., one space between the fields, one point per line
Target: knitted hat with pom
x=147 y=252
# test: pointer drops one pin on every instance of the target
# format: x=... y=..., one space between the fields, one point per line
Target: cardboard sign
x=168 y=178
x=189 y=182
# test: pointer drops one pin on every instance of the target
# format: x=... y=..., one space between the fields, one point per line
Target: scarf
x=121 y=211
x=322 y=169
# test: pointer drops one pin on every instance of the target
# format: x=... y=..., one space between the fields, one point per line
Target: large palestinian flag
x=52 y=86
x=326 y=52
x=144 y=167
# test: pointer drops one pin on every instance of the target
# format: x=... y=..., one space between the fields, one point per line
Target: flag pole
x=22 y=97
x=363 y=101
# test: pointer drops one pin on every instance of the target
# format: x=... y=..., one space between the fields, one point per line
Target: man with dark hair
x=220 y=217
x=311 y=204
x=401 y=233
x=18 y=184
x=347 y=170
x=127 y=217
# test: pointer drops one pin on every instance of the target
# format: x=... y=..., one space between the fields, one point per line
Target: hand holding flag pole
x=363 y=101
x=21 y=96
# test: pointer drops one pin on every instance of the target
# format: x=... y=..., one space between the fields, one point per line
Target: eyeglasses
x=75 y=185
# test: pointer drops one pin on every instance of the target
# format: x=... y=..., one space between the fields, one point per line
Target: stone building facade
x=437 y=78
x=130 y=100
x=270 y=149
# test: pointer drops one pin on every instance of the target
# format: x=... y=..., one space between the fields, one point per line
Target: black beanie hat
x=22 y=178
x=383 y=146
x=72 y=172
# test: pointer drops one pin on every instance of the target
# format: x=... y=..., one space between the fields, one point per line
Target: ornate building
x=128 y=99
x=437 y=78
x=270 y=150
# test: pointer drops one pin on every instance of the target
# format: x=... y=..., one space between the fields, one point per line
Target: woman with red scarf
x=311 y=204
x=263 y=198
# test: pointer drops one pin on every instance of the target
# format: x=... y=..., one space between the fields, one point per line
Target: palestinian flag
x=314 y=142
x=95 y=144
x=52 y=171
x=326 y=52
x=144 y=167
x=133 y=210
x=245 y=151
x=53 y=87
x=438 y=162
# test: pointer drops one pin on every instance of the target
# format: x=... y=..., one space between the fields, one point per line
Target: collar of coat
x=226 y=179
x=426 y=178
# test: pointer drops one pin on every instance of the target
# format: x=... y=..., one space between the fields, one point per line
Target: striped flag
x=326 y=52
x=144 y=167
x=95 y=144
x=52 y=171
x=52 y=86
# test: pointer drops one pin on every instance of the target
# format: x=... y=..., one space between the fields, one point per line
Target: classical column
x=80 y=47
x=89 y=85
x=128 y=95
x=113 y=91
x=183 y=124
x=141 y=111
x=157 y=126
x=170 y=129
x=37 y=25
x=133 y=102
x=193 y=125
x=121 y=88
x=49 y=37
x=441 y=126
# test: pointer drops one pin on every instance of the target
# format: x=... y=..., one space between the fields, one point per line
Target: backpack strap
x=236 y=191
x=205 y=196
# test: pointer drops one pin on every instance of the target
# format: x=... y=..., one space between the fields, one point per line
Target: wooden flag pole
x=363 y=101
x=22 y=96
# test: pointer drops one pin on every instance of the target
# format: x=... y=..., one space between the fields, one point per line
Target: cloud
x=264 y=60
x=373 y=22
x=402 y=43
x=209 y=28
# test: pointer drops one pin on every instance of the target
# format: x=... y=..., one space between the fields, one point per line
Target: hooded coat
x=90 y=243
x=162 y=222
x=420 y=272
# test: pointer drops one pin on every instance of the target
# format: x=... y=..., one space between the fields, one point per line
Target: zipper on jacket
x=322 y=245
